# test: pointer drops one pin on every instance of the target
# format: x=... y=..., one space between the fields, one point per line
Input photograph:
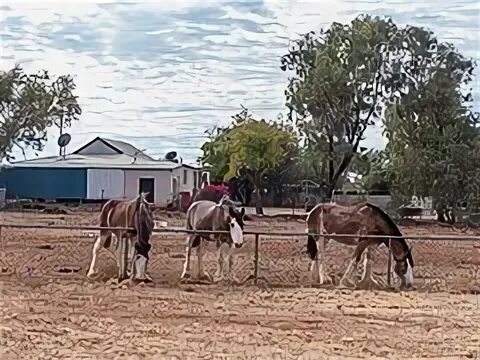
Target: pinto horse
x=135 y=214
x=361 y=219
x=208 y=215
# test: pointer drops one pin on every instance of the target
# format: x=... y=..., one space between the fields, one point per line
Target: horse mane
x=395 y=229
x=385 y=217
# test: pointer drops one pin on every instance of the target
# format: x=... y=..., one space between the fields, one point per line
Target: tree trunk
x=258 y=202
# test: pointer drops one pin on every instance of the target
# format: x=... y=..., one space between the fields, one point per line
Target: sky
x=158 y=74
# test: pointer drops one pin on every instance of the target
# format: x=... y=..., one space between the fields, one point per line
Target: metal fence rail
x=172 y=230
x=45 y=251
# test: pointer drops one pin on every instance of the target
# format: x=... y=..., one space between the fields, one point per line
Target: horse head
x=236 y=224
x=144 y=218
x=404 y=267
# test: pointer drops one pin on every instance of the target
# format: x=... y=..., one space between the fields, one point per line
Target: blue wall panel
x=44 y=183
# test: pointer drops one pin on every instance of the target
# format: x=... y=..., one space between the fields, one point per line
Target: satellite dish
x=171 y=155
x=64 y=139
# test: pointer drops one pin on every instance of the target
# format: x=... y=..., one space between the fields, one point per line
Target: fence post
x=255 y=269
x=389 y=269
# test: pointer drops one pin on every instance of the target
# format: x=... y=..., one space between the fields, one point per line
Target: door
x=147 y=185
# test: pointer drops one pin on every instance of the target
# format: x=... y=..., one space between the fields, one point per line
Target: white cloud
x=185 y=69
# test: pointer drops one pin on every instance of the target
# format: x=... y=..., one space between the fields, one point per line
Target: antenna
x=62 y=142
x=136 y=153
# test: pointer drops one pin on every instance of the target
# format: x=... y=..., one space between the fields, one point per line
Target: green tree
x=343 y=80
x=29 y=105
x=254 y=148
x=432 y=133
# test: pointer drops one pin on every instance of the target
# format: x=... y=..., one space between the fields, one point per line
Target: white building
x=102 y=169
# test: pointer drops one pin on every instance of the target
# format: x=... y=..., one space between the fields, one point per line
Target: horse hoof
x=185 y=276
x=204 y=277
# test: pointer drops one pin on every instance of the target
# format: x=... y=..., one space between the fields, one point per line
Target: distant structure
x=101 y=169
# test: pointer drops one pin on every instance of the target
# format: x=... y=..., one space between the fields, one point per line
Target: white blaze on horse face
x=236 y=232
x=408 y=277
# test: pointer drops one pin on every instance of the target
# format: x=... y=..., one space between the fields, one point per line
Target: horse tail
x=312 y=249
x=138 y=218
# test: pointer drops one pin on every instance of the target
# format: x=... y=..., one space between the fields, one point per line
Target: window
x=195 y=179
x=185 y=172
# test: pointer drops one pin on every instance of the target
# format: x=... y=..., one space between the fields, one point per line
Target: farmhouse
x=101 y=169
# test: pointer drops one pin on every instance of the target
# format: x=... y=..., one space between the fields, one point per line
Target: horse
x=136 y=214
x=208 y=215
x=362 y=219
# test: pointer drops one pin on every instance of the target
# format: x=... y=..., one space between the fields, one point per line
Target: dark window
x=185 y=172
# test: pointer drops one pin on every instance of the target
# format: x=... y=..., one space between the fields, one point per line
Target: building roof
x=120 y=147
x=120 y=161
x=101 y=153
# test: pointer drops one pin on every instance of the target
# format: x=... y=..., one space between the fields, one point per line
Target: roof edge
x=103 y=141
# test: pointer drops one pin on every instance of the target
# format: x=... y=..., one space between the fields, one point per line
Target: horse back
x=117 y=213
x=206 y=215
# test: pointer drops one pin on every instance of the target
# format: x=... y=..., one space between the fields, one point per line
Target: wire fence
x=39 y=253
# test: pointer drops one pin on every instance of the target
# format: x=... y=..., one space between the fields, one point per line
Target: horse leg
x=322 y=275
x=188 y=250
x=220 y=260
x=131 y=255
x=229 y=259
x=367 y=281
x=97 y=246
x=122 y=258
x=356 y=256
x=200 y=250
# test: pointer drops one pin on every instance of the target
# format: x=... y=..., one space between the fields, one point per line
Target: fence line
x=256 y=262
x=262 y=233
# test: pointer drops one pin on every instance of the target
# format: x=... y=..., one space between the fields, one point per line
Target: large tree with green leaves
x=254 y=148
x=29 y=105
x=343 y=80
x=432 y=133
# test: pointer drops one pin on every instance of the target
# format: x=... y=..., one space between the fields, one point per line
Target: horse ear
x=231 y=211
x=229 y=219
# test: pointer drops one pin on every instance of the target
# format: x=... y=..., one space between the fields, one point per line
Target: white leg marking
x=367 y=278
x=348 y=271
x=186 y=264
x=96 y=249
x=409 y=275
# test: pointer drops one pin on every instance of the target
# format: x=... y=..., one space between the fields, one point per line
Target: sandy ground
x=49 y=310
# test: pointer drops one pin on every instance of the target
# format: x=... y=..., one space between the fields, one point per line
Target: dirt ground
x=49 y=310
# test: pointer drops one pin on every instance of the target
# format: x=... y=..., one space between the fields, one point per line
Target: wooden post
x=255 y=269
x=1 y=237
x=389 y=269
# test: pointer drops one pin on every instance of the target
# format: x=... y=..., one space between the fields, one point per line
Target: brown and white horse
x=130 y=248
x=207 y=215
x=361 y=219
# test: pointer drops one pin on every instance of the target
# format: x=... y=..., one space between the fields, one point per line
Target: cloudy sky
x=159 y=73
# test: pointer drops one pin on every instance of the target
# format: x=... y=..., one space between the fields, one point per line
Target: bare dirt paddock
x=49 y=310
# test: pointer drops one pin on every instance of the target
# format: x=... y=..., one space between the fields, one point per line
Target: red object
x=185 y=199
x=218 y=188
